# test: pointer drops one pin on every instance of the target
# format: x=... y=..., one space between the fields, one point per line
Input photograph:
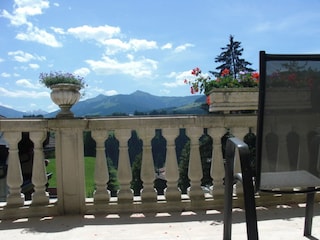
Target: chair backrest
x=288 y=128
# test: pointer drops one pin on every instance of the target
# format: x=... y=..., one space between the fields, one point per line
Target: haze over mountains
x=121 y=104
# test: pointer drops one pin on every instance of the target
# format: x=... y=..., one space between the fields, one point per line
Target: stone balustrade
x=70 y=170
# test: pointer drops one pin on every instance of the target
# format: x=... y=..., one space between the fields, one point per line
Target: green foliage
x=112 y=148
x=89 y=174
x=53 y=78
x=230 y=59
x=113 y=183
x=206 y=158
x=136 y=183
x=184 y=181
x=135 y=155
x=89 y=144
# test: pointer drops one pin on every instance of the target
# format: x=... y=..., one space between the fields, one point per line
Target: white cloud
x=21 y=56
x=34 y=66
x=22 y=9
x=111 y=92
x=23 y=94
x=58 y=30
x=141 y=44
x=99 y=34
x=52 y=107
x=34 y=34
x=5 y=75
x=26 y=83
x=178 y=79
x=105 y=92
x=116 y=45
x=1 y=60
x=82 y=72
x=183 y=47
x=136 y=68
x=105 y=35
x=167 y=46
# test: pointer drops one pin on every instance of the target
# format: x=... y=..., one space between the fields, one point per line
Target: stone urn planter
x=227 y=100
x=65 y=95
x=65 y=90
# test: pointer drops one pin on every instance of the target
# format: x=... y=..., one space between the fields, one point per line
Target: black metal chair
x=288 y=139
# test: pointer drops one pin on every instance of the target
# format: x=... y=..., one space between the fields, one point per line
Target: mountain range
x=124 y=104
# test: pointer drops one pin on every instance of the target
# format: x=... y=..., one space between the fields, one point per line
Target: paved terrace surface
x=282 y=222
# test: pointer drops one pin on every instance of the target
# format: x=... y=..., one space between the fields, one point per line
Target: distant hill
x=138 y=101
x=10 y=113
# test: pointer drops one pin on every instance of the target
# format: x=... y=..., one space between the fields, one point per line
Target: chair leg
x=228 y=192
x=249 y=200
x=309 y=214
x=250 y=209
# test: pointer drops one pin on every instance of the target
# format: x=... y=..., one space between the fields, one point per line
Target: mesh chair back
x=288 y=129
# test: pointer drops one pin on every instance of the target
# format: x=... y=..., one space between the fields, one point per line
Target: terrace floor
x=282 y=222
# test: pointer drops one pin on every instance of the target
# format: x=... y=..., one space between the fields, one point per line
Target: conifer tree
x=230 y=59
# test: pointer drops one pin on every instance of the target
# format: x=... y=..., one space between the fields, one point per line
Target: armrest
x=232 y=145
x=246 y=174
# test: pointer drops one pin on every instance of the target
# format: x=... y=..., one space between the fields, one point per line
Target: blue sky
x=123 y=46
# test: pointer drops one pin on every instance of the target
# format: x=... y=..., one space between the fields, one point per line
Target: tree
x=230 y=59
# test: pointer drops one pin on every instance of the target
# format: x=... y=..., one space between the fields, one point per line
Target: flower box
x=281 y=98
x=227 y=100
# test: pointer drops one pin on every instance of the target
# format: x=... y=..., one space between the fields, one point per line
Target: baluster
x=39 y=176
x=172 y=169
x=217 y=165
x=101 y=173
x=14 y=175
x=283 y=160
x=147 y=167
x=303 y=150
x=124 y=168
x=195 y=168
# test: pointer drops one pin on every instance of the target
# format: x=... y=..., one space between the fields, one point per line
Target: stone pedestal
x=70 y=170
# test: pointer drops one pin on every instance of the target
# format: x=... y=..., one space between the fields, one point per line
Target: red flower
x=208 y=100
x=196 y=71
x=225 y=72
x=185 y=81
x=255 y=75
x=292 y=77
x=194 y=90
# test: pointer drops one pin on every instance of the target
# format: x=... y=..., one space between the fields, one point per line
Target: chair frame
x=251 y=181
